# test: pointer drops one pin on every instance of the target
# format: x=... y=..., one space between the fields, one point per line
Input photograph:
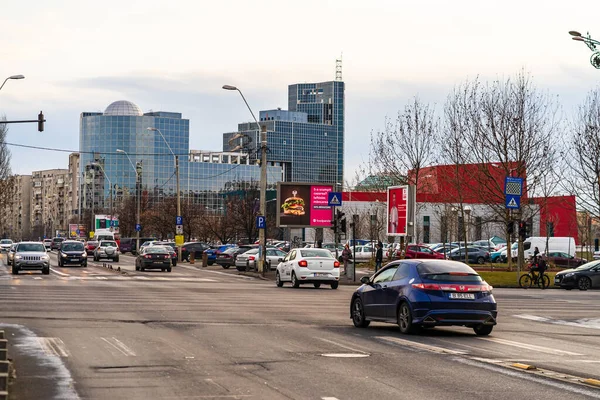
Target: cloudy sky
x=79 y=55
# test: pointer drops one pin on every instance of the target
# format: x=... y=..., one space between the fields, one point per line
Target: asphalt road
x=96 y=333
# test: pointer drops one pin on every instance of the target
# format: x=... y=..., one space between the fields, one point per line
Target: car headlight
x=84 y=254
x=45 y=257
x=64 y=255
x=18 y=257
x=569 y=274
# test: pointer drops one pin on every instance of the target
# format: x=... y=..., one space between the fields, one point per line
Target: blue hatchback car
x=425 y=293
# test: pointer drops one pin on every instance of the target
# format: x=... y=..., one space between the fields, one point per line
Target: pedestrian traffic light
x=343 y=225
x=510 y=227
x=522 y=230
x=41 y=121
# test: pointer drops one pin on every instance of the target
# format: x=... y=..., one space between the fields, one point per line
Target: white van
x=561 y=244
x=104 y=234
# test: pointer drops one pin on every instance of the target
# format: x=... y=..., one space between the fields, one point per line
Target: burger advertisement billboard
x=302 y=205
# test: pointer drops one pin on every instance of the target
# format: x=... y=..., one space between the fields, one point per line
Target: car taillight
x=426 y=286
x=336 y=264
x=147 y=256
x=303 y=263
x=250 y=258
x=167 y=256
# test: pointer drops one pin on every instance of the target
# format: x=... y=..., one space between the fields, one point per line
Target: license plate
x=556 y=280
x=463 y=296
x=75 y=259
x=321 y=274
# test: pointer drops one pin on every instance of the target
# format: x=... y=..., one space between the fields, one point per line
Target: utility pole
x=178 y=201
x=263 y=198
x=138 y=180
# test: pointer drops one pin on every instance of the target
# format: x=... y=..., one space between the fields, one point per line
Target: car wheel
x=225 y=266
x=584 y=283
x=358 y=314
x=295 y=282
x=142 y=269
x=483 y=330
x=169 y=269
x=405 y=319
x=116 y=259
x=210 y=263
x=174 y=263
x=15 y=270
x=278 y=280
x=317 y=285
x=480 y=260
x=335 y=285
x=46 y=271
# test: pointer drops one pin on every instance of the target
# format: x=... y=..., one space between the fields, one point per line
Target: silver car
x=107 y=249
x=11 y=254
x=247 y=260
x=5 y=245
x=31 y=256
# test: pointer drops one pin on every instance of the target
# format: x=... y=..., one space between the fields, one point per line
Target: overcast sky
x=175 y=55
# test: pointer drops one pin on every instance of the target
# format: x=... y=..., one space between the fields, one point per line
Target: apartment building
x=16 y=216
x=51 y=206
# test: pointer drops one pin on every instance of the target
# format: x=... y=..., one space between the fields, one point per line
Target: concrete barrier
x=4 y=367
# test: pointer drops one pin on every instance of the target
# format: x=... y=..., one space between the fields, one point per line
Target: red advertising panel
x=303 y=205
x=397 y=205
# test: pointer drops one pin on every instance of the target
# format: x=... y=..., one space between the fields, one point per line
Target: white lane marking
x=341 y=345
x=102 y=277
x=120 y=346
x=530 y=347
x=422 y=346
x=58 y=272
x=344 y=355
x=37 y=277
x=53 y=346
x=532 y=317
x=591 y=323
x=329 y=398
x=223 y=273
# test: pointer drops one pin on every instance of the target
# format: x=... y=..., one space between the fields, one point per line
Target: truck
x=562 y=244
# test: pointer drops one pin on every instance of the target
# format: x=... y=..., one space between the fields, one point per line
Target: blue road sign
x=334 y=199
x=513 y=186
x=112 y=223
x=138 y=227
x=261 y=222
x=179 y=220
x=513 y=201
x=77 y=231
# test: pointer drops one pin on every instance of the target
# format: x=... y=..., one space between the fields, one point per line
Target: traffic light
x=343 y=225
x=341 y=219
x=522 y=230
x=41 y=121
x=510 y=227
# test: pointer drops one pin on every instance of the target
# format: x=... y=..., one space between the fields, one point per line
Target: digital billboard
x=397 y=206
x=303 y=205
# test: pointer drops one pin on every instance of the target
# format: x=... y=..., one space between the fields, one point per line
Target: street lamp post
x=591 y=44
x=111 y=190
x=137 y=195
x=176 y=177
x=11 y=77
x=263 y=181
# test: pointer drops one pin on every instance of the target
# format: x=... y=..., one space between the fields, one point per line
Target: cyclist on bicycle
x=538 y=267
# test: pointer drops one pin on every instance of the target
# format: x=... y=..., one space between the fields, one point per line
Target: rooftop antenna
x=338 y=68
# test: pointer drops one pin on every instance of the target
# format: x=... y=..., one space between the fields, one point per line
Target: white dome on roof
x=123 y=107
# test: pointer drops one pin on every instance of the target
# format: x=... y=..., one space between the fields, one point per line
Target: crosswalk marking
x=418 y=345
x=120 y=346
x=530 y=347
x=53 y=346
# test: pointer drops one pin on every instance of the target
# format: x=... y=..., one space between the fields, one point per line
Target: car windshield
x=108 y=244
x=449 y=271
x=72 y=247
x=38 y=247
x=156 y=250
x=316 y=253
x=5 y=241
x=587 y=266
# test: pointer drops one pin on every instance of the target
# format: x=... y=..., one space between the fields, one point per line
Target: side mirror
x=365 y=280
x=280 y=259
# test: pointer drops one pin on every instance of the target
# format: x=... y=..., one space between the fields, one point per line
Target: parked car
x=584 y=277
x=153 y=257
x=5 y=245
x=247 y=260
x=564 y=260
x=127 y=245
x=428 y=293
x=11 y=254
x=316 y=266
x=475 y=255
x=107 y=249
x=225 y=258
x=197 y=248
x=495 y=256
x=31 y=256
x=445 y=249
x=56 y=243
x=419 y=251
x=48 y=243
x=72 y=252
x=362 y=253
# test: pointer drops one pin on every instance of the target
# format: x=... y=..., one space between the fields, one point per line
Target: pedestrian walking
x=378 y=256
x=346 y=256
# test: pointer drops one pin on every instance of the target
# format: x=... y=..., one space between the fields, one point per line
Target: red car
x=91 y=246
x=420 y=251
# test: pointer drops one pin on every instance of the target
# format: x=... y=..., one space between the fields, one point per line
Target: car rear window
x=316 y=253
x=108 y=244
x=448 y=271
x=157 y=250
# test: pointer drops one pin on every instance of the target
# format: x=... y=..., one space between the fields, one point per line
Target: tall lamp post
x=11 y=77
x=111 y=189
x=591 y=44
x=177 y=178
x=263 y=181
x=138 y=174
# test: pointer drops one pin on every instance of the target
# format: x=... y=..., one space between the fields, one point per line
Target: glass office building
x=307 y=140
x=108 y=174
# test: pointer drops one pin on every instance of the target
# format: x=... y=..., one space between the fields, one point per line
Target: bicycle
x=529 y=279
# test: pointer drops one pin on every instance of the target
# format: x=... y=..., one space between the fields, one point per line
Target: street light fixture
x=138 y=184
x=177 y=178
x=12 y=77
x=591 y=44
x=263 y=181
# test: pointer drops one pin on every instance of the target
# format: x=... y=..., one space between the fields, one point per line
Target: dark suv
x=72 y=252
x=56 y=243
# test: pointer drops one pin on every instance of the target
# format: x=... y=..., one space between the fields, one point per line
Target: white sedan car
x=314 y=266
